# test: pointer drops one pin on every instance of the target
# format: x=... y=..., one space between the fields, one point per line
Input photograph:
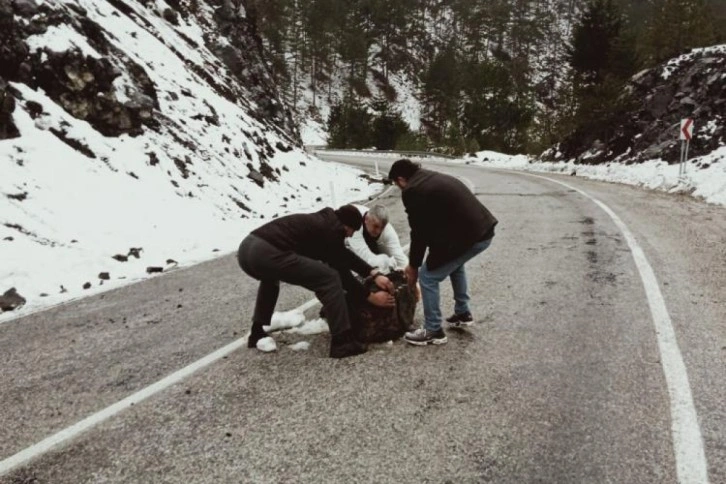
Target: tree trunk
x=313 y=80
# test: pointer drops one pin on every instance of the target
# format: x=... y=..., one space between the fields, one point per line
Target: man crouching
x=308 y=250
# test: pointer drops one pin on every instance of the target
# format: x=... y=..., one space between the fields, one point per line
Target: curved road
x=569 y=375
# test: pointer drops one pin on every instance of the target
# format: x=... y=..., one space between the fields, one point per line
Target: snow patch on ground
x=266 y=345
x=300 y=346
x=313 y=326
x=705 y=176
x=284 y=320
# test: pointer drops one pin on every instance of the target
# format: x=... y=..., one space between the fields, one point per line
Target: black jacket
x=319 y=235
x=444 y=216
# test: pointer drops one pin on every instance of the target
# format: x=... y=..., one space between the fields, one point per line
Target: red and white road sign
x=686 y=129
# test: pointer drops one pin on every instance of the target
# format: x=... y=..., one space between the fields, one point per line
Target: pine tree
x=388 y=126
x=678 y=26
x=441 y=89
x=350 y=125
x=602 y=60
x=593 y=42
x=496 y=113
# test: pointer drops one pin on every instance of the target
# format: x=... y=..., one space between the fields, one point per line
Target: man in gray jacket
x=449 y=221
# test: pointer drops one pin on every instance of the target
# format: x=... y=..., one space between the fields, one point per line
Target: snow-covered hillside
x=313 y=129
x=132 y=147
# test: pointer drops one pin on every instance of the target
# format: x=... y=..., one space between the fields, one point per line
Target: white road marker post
x=378 y=173
x=685 y=135
x=332 y=194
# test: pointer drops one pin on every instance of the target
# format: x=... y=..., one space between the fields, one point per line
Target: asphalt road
x=561 y=380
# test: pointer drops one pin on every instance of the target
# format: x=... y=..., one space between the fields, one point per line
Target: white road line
x=75 y=430
x=24 y=456
x=48 y=443
x=691 y=464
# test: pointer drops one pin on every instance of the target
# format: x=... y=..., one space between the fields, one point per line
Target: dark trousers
x=269 y=265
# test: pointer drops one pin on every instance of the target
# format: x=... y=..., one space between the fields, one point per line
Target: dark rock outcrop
x=80 y=83
x=692 y=86
x=11 y=300
x=244 y=57
x=83 y=84
x=7 y=106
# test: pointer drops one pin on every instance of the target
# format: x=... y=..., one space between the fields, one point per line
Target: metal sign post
x=686 y=133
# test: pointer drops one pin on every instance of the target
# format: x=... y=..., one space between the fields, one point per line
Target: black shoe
x=256 y=335
x=459 y=320
x=344 y=350
x=344 y=345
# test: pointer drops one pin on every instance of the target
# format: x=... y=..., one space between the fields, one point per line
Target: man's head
x=350 y=217
x=401 y=171
x=375 y=220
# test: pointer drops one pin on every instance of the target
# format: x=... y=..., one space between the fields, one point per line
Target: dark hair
x=404 y=168
x=350 y=216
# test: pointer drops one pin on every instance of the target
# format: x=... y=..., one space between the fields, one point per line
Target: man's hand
x=381 y=299
x=384 y=283
x=411 y=276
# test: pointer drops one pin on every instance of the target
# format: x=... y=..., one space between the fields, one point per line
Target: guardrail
x=414 y=154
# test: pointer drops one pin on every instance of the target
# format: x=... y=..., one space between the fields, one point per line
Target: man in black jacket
x=445 y=217
x=308 y=250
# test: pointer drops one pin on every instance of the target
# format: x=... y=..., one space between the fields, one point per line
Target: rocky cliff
x=690 y=86
x=94 y=79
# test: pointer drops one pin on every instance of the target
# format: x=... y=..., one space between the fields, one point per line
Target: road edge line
x=18 y=459
x=691 y=463
x=35 y=450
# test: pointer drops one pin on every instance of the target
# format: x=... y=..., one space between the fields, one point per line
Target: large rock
x=11 y=300
x=25 y=8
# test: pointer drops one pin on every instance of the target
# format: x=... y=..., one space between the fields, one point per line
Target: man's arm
x=416 y=221
x=389 y=244
x=355 y=288
x=356 y=264
x=357 y=244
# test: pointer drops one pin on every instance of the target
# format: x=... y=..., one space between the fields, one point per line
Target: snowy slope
x=705 y=176
x=190 y=185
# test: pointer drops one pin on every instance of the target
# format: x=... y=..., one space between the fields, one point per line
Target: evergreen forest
x=514 y=76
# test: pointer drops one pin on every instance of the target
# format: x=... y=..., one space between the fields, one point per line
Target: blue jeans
x=430 y=279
